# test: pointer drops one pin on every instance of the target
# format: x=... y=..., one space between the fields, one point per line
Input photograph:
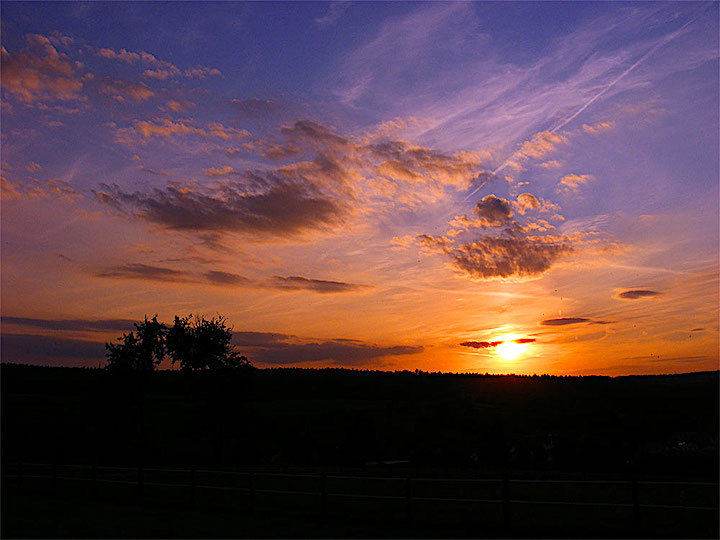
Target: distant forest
x=290 y=417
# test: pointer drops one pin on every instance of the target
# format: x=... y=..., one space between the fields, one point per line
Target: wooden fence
x=504 y=493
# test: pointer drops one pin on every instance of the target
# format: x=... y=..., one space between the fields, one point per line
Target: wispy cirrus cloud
x=164 y=274
x=295 y=283
x=335 y=10
x=72 y=325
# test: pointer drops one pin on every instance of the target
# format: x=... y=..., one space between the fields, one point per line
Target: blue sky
x=379 y=183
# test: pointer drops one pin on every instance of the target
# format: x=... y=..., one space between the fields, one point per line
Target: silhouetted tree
x=198 y=344
x=138 y=354
x=140 y=351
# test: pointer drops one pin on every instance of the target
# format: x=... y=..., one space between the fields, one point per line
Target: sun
x=509 y=349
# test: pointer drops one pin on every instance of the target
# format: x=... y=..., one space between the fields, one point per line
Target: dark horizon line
x=416 y=372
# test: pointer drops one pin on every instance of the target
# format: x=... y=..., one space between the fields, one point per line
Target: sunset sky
x=500 y=187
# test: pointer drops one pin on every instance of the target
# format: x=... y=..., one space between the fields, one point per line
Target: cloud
x=281 y=349
x=9 y=190
x=493 y=210
x=162 y=68
x=525 y=202
x=33 y=349
x=489 y=344
x=261 y=347
x=170 y=71
x=294 y=283
x=164 y=127
x=217 y=277
x=201 y=72
x=411 y=163
x=552 y=164
x=280 y=151
x=53 y=188
x=563 y=321
x=334 y=12
x=503 y=257
x=220 y=171
x=153 y=171
x=318 y=193
x=489 y=258
x=144 y=271
x=122 y=91
x=169 y=275
x=598 y=128
x=390 y=159
x=634 y=294
x=540 y=144
x=72 y=325
x=178 y=106
x=39 y=72
x=573 y=182
x=254 y=107
x=274 y=205
x=316 y=134
x=123 y=55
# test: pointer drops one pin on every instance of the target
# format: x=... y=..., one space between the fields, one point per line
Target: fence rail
x=410 y=494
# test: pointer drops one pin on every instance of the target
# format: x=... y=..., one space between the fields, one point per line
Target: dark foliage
x=197 y=343
x=139 y=351
x=194 y=343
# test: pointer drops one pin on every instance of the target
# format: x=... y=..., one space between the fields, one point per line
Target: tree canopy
x=194 y=343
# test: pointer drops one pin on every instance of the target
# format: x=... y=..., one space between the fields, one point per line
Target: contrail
x=597 y=96
x=619 y=77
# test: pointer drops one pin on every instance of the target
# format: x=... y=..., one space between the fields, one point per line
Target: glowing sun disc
x=509 y=350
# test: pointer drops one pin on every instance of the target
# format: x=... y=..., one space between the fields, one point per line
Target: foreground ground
x=357 y=454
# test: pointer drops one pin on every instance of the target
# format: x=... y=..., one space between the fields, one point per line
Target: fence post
x=20 y=476
x=506 y=502
x=636 y=503
x=193 y=486
x=251 y=481
x=139 y=483
x=323 y=494
x=93 y=474
x=54 y=476
x=408 y=498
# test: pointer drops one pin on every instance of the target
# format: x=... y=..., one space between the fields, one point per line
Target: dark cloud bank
x=261 y=347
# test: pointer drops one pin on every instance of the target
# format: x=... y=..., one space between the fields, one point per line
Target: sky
x=460 y=187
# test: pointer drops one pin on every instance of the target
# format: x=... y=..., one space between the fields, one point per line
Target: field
x=278 y=453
